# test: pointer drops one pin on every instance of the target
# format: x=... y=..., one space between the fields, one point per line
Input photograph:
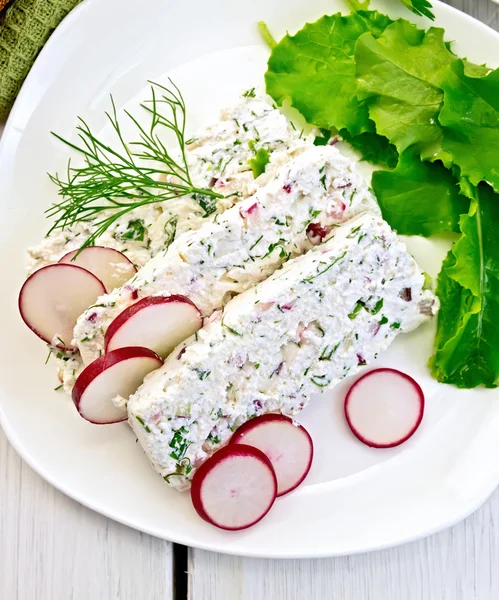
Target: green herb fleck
x=141 y=421
x=309 y=279
x=327 y=354
x=231 y=330
x=170 y=230
x=135 y=231
x=377 y=307
x=214 y=439
x=259 y=162
x=320 y=380
x=354 y=231
x=272 y=247
x=202 y=374
x=356 y=310
x=183 y=467
x=256 y=243
x=207 y=203
x=218 y=415
x=179 y=443
x=323 y=138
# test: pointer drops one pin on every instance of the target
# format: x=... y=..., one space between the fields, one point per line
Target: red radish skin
x=157 y=322
x=316 y=233
x=234 y=488
x=286 y=443
x=120 y=372
x=389 y=388
x=53 y=297
x=113 y=268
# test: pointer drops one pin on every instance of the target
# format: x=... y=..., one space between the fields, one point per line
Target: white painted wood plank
x=483 y=10
x=52 y=548
x=457 y=564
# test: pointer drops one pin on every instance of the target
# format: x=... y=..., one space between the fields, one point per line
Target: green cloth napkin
x=25 y=26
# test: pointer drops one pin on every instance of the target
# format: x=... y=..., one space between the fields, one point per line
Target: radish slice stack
x=384 y=408
x=286 y=444
x=113 y=268
x=156 y=322
x=118 y=373
x=267 y=457
x=53 y=297
x=234 y=488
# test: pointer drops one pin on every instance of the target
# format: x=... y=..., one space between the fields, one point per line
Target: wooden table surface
x=51 y=548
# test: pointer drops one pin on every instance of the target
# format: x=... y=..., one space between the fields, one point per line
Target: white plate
x=355 y=498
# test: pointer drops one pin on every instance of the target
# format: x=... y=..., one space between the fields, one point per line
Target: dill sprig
x=115 y=181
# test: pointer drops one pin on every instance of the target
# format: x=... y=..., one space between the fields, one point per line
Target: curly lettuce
x=399 y=75
x=470 y=115
x=419 y=198
x=315 y=70
x=467 y=337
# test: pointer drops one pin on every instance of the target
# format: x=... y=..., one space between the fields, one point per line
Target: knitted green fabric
x=25 y=26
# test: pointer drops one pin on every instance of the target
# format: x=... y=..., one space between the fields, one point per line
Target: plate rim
x=237 y=548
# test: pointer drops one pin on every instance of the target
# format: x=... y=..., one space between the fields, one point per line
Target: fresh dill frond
x=117 y=180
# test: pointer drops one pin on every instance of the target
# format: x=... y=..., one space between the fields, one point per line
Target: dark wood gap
x=180 y=559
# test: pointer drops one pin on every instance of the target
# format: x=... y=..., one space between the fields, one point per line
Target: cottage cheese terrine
x=243 y=245
x=313 y=322
x=219 y=156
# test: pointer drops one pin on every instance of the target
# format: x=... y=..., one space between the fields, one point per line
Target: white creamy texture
x=244 y=245
x=301 y=331
x=218 y=157
x=69 y=366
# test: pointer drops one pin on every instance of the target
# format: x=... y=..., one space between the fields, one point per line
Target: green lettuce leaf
x=267 y=36
x=356 y=5
x=470 y=115
x=468 y=287
x=399 y=74
x=374 y=148
x=315 y=69
x=419 y=198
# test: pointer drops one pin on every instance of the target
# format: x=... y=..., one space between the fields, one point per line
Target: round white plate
x=355 y=498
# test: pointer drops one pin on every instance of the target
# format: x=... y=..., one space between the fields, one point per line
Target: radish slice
x=384 y=408
x=110 y=266
x=234 y=488
x=118 y=373
x=284 y=442
x=53 y=297
x=156 y=322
